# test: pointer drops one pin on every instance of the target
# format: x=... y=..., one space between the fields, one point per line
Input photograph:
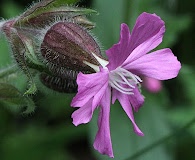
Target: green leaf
x=10 y=94
x=14 y=99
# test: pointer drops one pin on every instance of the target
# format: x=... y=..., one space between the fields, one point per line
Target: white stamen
x=120 y=79
x=131 y=75
x=113 y=86
x=124 y=81
x=121 y=87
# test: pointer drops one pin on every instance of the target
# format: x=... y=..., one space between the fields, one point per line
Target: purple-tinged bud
x=68 y=45
x=65 y=47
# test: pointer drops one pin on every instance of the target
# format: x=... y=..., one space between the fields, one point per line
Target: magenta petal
x=136 y=99
x=119 y=52
x=83 y=114
x=161 y=65
x=88 y=86
x=102 y=141
x=124 y=101
x=147 y=34
x=147 y=26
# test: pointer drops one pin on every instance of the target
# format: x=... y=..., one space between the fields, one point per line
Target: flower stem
x=162 y=140
x=8 y=70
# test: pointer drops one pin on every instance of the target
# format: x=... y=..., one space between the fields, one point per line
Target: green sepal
x=49 y=9
x=42 y=17
x=40 y=6
x=23 y=53
x=13 y=98
x=32 y=89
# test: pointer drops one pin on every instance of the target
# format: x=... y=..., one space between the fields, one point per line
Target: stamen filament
x=129 y=74
x=113 y=86
x=123 y=80
x=125 y=89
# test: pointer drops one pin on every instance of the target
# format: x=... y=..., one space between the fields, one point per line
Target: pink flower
x=152 y=85
x=119 y=78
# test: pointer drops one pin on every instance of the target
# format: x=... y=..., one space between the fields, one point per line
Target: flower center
x=123 y=80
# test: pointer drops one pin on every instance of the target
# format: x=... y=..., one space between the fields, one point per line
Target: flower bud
x=67 y=45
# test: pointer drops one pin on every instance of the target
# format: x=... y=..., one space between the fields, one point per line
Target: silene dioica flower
x=53 y=40
x=119 y=77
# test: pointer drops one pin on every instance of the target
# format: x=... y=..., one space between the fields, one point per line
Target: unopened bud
x=67 y=45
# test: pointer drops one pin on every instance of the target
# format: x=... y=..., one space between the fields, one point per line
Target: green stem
x=8 y=70
x=162 y=140
x=14 y=68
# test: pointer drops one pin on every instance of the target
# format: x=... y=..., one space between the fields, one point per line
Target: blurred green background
x=48 y=133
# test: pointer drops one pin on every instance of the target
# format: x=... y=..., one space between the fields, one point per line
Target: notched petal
x=137 y=99
x=120 y=51
x=125 y=103
x=102 y=141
